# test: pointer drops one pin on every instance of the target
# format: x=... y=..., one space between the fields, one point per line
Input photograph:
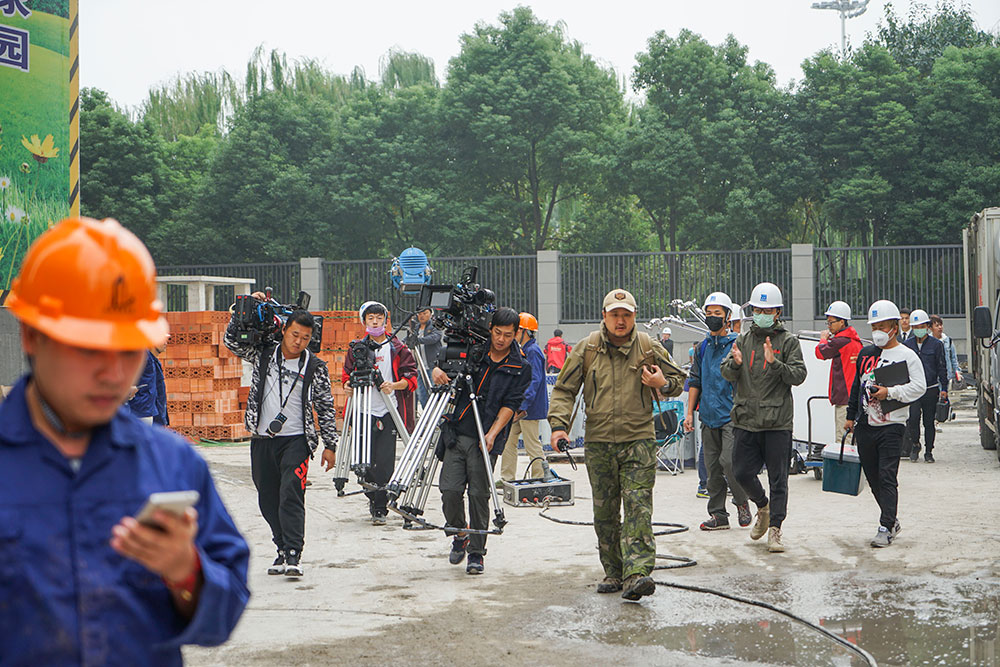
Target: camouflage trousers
x=622 y=476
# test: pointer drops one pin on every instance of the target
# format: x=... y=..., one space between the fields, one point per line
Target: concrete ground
x=381 y=595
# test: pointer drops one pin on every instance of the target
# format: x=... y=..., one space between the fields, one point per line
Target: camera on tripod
x=464 y=311
x=261 y=322
x=362 y=354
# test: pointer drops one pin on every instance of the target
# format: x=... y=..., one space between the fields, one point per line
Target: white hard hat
x=765 y=295
x=918 y=317
x=839 y=309
x=366 y=305
x=666 y=331
x=882 y=310
x=718 y=299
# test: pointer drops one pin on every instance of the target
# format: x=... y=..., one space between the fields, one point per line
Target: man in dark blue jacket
x=534 y=408
x=713 y=396
x=499 y=382
x=150 y=401
x=931 y=353
x=82 y=582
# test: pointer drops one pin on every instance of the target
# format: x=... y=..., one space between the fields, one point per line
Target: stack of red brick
x=202 y=378
x=205 y=396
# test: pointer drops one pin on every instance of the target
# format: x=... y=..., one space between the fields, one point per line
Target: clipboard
x=892 y=375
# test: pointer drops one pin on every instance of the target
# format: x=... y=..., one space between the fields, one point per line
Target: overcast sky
x=127 y=46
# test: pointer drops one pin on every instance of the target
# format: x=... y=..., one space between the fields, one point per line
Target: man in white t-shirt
x=398 y=371
x=877 y=414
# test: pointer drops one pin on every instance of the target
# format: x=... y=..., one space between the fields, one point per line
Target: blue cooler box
x=842 y=470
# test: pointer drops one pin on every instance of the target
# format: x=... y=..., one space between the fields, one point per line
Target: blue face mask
x=920 y=333
x=763 y=320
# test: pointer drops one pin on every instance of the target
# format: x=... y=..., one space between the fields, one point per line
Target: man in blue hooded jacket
x=534 y=408
x=713 y=396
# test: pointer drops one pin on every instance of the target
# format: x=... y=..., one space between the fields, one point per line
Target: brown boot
x=609 y=585
x=637 y=586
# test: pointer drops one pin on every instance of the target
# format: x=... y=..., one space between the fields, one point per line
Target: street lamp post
x=848 y=9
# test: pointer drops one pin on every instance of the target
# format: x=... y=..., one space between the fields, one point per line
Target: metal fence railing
x=350 y=283
x=656 y=278
x=283 y=277
x=513 y=278
x=927 y=277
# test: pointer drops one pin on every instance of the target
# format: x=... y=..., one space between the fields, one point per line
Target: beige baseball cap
x=619 y=298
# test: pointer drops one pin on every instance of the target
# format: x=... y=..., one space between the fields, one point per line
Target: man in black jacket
x=289 y=382
x=499 y=382
x=931 y=353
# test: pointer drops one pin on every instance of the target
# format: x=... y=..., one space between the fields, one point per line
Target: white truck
x=981 y=241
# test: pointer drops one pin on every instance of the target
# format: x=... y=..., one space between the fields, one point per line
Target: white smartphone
x=175 y=502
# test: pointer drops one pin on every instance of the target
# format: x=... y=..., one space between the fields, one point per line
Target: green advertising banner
x=39 y=123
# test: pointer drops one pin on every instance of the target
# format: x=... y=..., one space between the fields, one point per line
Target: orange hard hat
x=90 y=284
x=529 y=322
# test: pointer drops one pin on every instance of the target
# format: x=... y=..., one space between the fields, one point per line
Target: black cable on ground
x=865 y=655
x=682 y=561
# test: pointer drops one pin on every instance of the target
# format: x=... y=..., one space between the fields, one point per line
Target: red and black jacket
x=404 y=367
x=843 y=348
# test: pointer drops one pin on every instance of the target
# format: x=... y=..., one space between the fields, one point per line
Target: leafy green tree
x=263 y=199
x=530 y=116
x=920 y=39
x=606 y=223
x=701 y=156
x=856 y=117
x=394 y=174
x=121 y=165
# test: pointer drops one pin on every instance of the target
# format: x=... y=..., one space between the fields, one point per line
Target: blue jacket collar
x=18 y=429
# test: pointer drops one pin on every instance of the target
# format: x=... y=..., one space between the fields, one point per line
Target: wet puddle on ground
x=911 y=621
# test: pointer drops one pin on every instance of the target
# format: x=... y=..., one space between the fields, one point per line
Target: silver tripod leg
x=498 y=519
x=401 y=431
x=422 y=365
x=427 y=481
x=367 y=444
x=343 y=465
x=420 y=440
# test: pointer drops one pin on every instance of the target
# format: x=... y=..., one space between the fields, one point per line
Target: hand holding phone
x=161 y=536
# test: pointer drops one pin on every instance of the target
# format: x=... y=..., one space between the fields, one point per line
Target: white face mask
x=880 y=338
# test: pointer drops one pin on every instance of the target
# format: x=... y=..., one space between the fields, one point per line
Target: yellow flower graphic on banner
x=40 y=150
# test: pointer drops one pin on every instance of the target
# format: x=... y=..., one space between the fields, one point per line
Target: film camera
x=260 y=322
x=464 y=311
x=363 y=355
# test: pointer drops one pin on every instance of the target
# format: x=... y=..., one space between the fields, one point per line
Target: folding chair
x=668 y=419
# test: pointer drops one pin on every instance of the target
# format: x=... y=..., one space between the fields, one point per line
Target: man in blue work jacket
x=534 y=408
x=81 y=580
x=150 y=400
x=712 y=395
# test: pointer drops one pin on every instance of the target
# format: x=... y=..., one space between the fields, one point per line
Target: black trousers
x=878 y=449
x=463 y=467
x=383 y=461
x=926 y=407
x=279 y=467
x=751 y=451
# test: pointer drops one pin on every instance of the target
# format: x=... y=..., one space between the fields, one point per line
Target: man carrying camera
x=82 y=581
x=289 y=382
x=620 y=370
x=499 y=383
x=397 y=371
